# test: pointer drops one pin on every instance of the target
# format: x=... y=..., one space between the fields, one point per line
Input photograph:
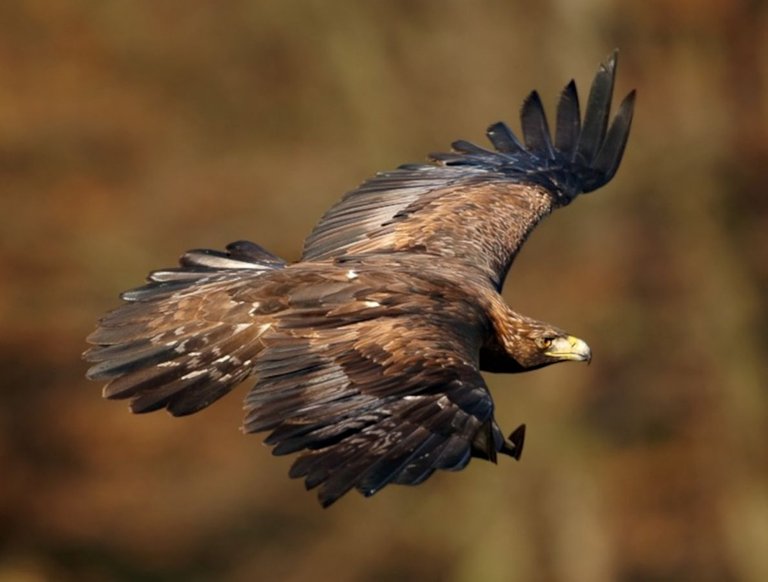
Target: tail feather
x=184 y=356
x=120 y=359
x=165 y=396
x=189 y=335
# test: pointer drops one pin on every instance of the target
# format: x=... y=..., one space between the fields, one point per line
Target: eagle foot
x=513 y=444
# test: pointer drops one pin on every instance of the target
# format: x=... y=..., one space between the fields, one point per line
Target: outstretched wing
x=381 y=401
x=480 y=205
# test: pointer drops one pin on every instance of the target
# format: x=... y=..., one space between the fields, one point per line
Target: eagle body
x=367 y=352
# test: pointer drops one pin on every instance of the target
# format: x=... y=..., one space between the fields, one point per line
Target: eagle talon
x=513 y=445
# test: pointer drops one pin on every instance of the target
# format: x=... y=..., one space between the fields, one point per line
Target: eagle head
x=529 y=344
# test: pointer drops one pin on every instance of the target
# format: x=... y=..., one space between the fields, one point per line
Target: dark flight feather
x=533 y=120
x=568 y=121
x=504 y=140
x=609 y=156
x=597 y=112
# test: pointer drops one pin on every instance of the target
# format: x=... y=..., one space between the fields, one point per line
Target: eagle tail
x=181 y=342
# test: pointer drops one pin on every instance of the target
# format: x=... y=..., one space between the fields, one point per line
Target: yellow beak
x=570 y=348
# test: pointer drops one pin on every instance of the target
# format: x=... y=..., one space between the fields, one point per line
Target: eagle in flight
x=367 y=352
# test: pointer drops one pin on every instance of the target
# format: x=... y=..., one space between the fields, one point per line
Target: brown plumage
x=367 y=352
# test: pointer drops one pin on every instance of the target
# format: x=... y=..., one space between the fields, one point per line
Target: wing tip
x=584 y=154
x=610 y=62
x=588 y=150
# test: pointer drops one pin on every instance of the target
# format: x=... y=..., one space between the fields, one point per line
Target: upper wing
x=381 y=401
x=479 y=205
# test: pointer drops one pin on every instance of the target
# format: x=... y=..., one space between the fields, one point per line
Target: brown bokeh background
x=131 y=131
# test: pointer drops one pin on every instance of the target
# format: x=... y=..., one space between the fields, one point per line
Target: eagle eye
x=546 y=341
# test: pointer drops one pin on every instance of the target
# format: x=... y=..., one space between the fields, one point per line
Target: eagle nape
x=366 y=354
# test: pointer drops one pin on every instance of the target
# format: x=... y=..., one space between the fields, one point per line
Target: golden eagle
x=367 y=352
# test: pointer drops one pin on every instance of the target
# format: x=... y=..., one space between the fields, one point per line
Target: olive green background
x=131 y=131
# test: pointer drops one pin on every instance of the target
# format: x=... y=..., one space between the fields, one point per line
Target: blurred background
x=132 y=131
